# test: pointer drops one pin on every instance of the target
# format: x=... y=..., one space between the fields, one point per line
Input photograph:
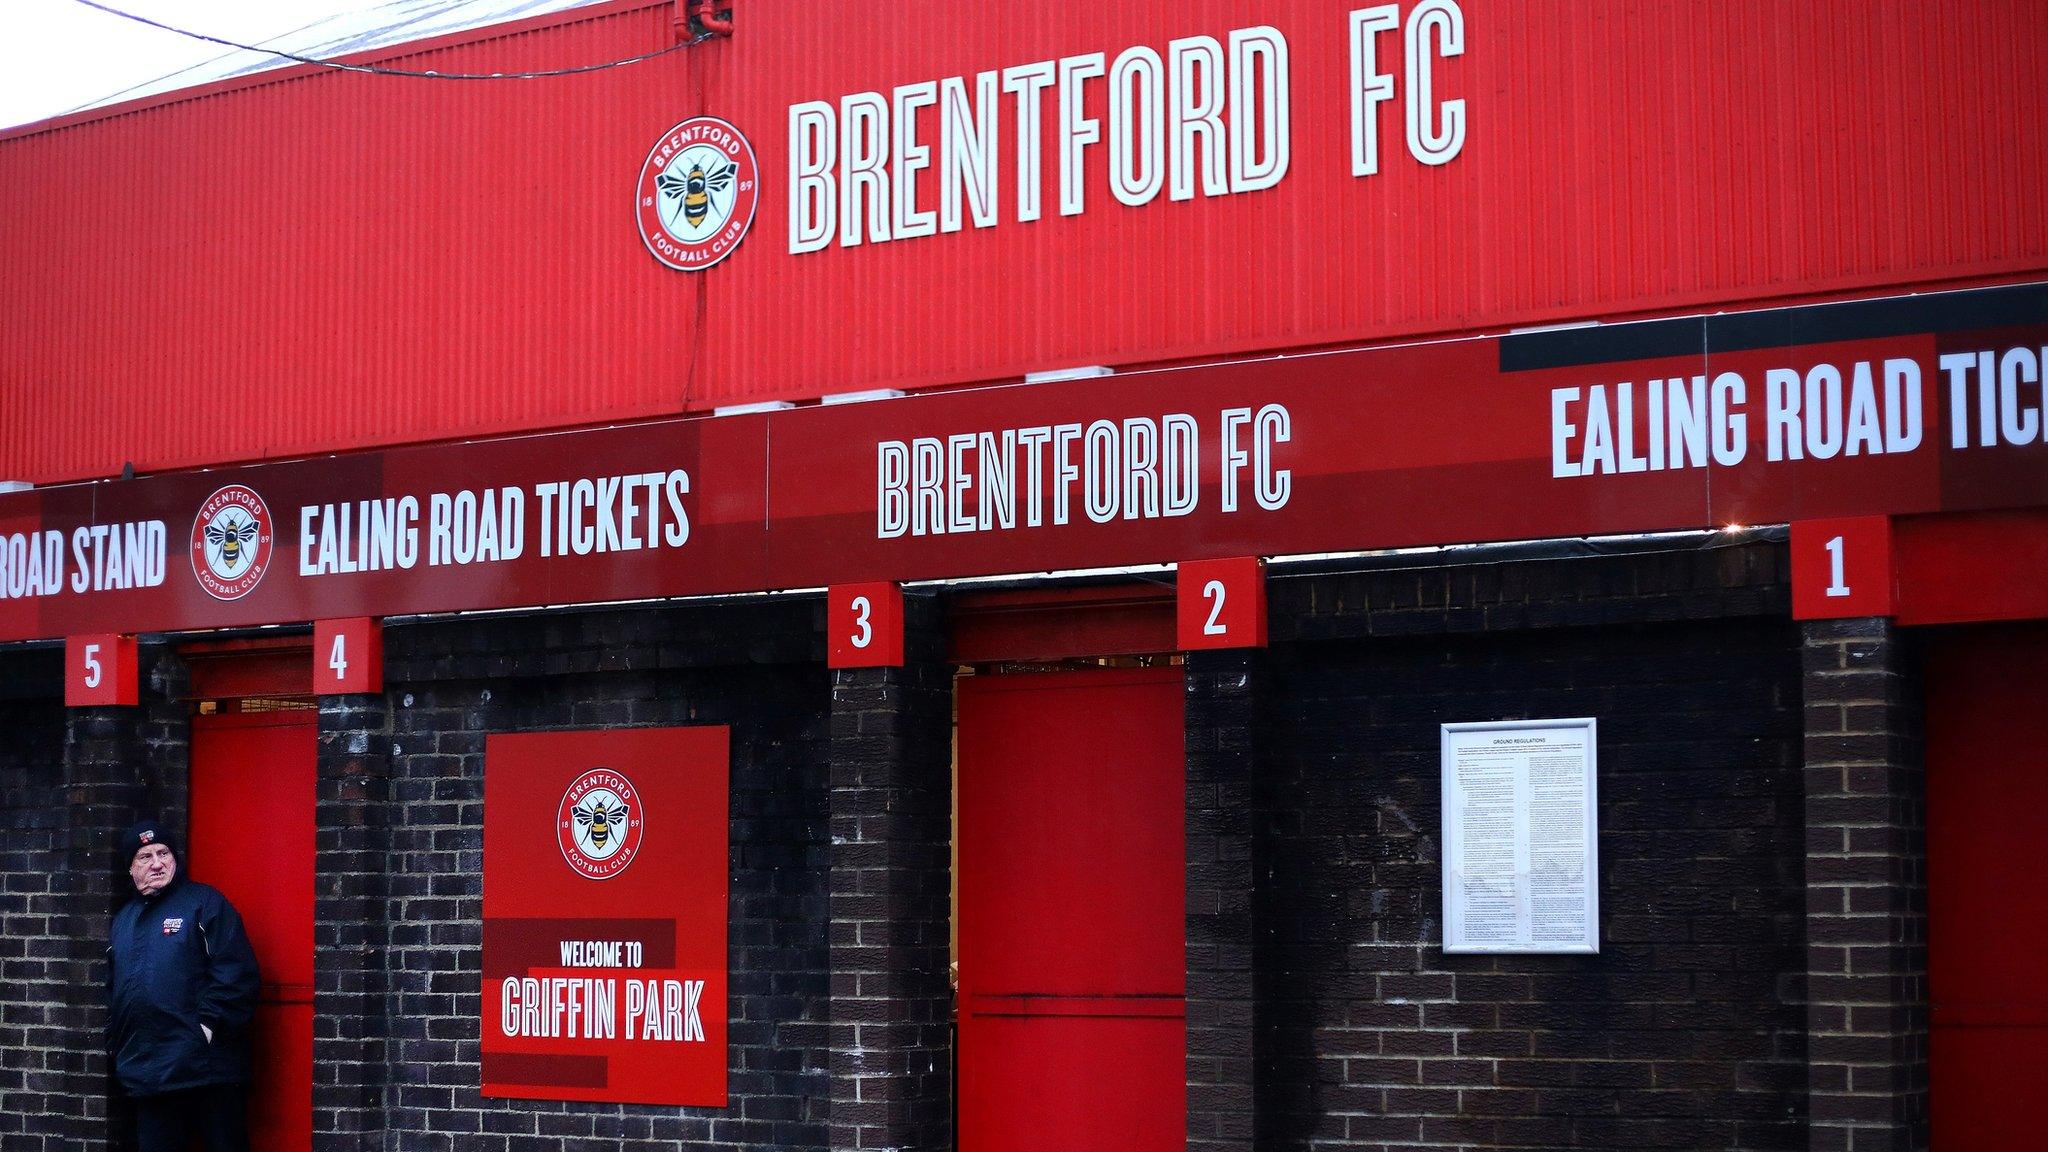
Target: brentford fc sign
x=1887 y=407
x=697 y=193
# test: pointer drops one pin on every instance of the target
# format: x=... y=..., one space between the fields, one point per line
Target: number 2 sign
x=1221 y=603
x=348 y=656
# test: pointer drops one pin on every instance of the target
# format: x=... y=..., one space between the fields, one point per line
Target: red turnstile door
x=1071 y=932
x=1987 y=910
x=253 y=782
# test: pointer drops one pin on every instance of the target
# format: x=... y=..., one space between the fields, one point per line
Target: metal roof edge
x=289 y=71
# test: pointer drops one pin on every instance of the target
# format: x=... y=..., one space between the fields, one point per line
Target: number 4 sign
x=1842 y=568
x=1221 y=603
x=348 y=656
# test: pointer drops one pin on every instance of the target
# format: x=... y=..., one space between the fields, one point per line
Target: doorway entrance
x=1987 y=912
x=1070 y=918
x=252 y=794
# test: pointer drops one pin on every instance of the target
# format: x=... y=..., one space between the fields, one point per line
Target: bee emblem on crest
x=695 y=187
x=227 y=537
x=596 y=822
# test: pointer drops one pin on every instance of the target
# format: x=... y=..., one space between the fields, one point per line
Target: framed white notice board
x=1521 y=836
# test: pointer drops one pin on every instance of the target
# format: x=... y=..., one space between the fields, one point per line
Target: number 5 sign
x=100 y=670
x=1221 y=604
x=866 y=622
x=348 y=656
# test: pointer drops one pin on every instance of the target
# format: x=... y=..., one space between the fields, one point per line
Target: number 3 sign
x=1221 y=603
x=866 y=621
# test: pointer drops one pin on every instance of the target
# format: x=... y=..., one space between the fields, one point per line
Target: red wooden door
x=252 y=838
x=1072 y=1033
x=1987 y=910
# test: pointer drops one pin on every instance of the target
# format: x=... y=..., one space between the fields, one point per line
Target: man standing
x=183 y=986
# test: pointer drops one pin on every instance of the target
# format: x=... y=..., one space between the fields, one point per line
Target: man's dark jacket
x=180 y=959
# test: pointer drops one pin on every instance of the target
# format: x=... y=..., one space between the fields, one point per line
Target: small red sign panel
x=867 y=625
x=604 y=965
x=348 y=656
x=1222 y=603
x=99 y=670
x=1842 y=568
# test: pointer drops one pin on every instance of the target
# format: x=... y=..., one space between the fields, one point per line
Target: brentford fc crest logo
x=697 y=193
x=599 y=824
x=231 y=541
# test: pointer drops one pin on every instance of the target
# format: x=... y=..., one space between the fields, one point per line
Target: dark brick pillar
x=1866 y=890
x=1222 y=696
x=120 y=764
x=351 y=844
x=891 y=817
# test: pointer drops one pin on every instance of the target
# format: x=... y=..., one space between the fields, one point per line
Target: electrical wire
x=375 y=70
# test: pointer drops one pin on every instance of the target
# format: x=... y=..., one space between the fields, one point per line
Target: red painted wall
x=1987 y=923
x=317 y=261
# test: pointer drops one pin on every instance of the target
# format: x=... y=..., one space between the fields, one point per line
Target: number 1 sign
x=1842 y=568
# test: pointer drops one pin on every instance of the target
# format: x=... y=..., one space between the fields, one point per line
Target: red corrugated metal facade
x=324 y=261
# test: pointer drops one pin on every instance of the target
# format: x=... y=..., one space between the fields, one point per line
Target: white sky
x=56 y=55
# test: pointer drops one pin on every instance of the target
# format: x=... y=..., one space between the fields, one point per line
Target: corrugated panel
x=385 y=25
x=339 y=260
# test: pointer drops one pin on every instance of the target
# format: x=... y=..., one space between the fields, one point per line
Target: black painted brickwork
x=1866 y=889
x=70 y=781
x=33 y=998
x=758 y=668
x=352 y=817
x=1221 y=711
x=1687 y=1031
x=892 y=1001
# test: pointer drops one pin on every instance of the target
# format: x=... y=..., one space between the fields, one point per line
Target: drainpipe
x=705 y=14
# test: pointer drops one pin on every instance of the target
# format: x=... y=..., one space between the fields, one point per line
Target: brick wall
x=1322 y=1011
x=1687 y=1030
x=1866 y=886
x=352 y=818
x=892 y=1000
x=33 y=996
x=1220 y=728
x=757 y=668
x=70 y=781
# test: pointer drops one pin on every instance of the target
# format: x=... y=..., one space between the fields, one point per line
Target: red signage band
x=604 y=957
x=1890 y=407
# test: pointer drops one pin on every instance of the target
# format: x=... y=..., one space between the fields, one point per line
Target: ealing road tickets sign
x=1897 y=406
x=604 y=965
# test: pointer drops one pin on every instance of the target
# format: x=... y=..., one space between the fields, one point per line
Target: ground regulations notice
x=1521 y=837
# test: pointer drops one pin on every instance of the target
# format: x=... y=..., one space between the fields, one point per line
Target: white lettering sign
x=1205 y=117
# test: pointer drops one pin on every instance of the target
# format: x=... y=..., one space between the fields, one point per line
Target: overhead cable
x=376 y=70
